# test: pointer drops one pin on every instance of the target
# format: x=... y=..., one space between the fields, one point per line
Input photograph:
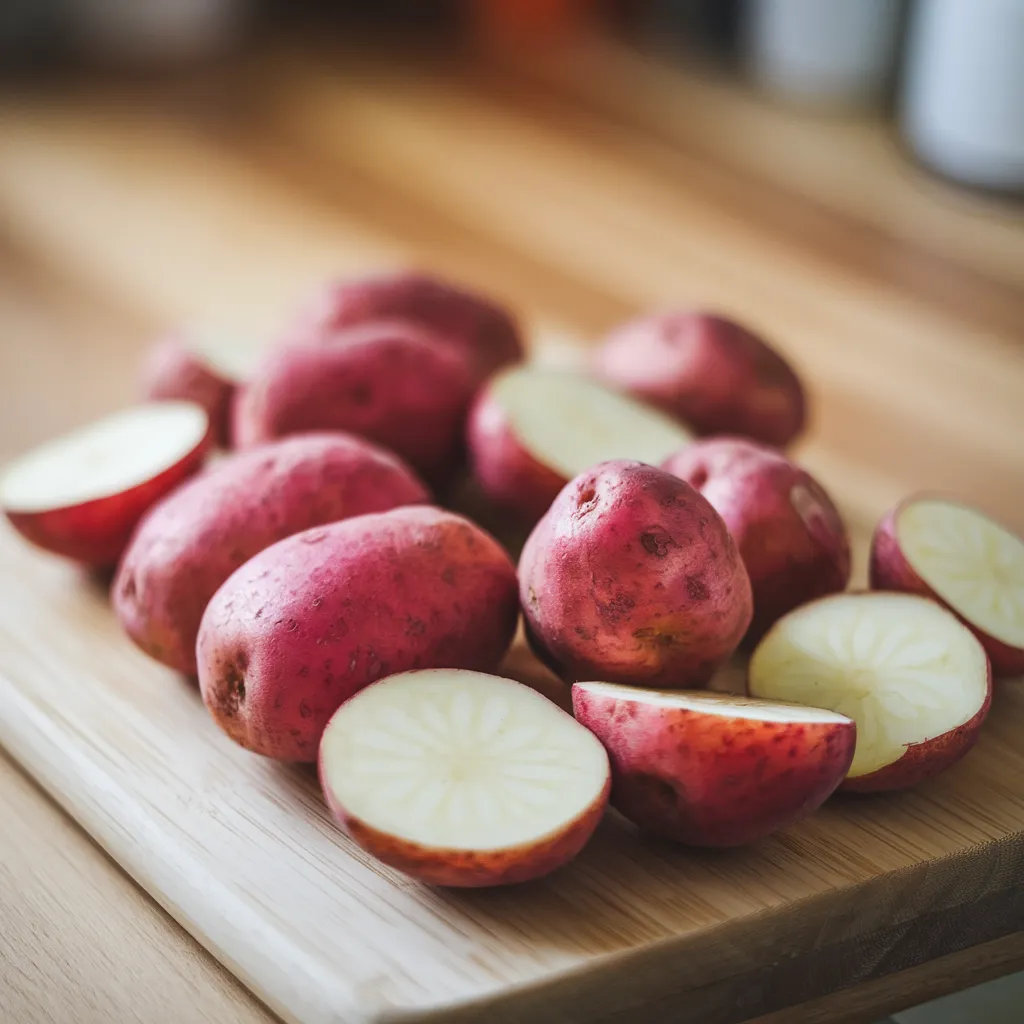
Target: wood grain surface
x=222 y=200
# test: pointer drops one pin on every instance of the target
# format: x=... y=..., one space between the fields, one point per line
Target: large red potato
x=958 y=556
x=632 y=577
x=201 y=370
x=82 y=495
x=714 y=769
x=463 y=779
x=791 y=537
x=391 y=383
x=311 y=620
x=191 y=542
x=532 y=429
x=713 y=374
x=915 y=680
x=481 y=330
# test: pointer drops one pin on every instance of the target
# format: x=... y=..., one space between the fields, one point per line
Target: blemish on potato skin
x=305 y=711
x=657 y=541
x=697 y=589
x=448 y=576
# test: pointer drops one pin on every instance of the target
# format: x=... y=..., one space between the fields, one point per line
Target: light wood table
x=222 y=199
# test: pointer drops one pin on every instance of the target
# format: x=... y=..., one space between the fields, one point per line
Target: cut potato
x=81 y=495
x=914 y=679
x=714 y=769
x=962 y=558
x=535 y=428
x=461 y=778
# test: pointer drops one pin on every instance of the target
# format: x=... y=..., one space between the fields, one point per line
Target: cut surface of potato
x=725 y=705
x=905 y=669
x=461 y=761
x=570 y=422
x=975 y=565
x=109 y=457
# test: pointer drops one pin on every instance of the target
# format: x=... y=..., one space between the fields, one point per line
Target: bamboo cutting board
x=121 y=216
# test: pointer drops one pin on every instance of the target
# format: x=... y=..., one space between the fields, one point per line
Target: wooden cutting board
x=119 y=216
x=243 y=854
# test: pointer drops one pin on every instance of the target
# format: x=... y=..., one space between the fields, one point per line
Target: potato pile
x=334 y=611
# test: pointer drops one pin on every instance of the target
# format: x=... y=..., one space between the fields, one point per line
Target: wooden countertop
x=223 y=199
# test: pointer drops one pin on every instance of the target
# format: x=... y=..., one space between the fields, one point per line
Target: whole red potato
x=790 y=535
x=480 y=329
x=194 y=539
x=632 y=577
x=392 y=383
x=711 y=373
x=311 y=620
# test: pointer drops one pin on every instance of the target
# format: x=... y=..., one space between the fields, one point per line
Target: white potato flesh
x=111 y=456
x=902 y=667
x=974 y=564
x=569 y=422
x=460 y=760
x=724 y=705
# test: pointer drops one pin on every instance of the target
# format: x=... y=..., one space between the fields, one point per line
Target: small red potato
x=81 y=495
x=791 y=537
x=632 y=577
x=191 y=542
x=714 y=769
x=915 y=680
x=959 y=557
x=200 y=370
x=311 y=620
x=463 y=779
x=391 y=383
x=532 y=429
x=483 y=332
x=714 y=375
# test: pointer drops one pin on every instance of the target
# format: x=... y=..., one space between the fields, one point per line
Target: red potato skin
x=507 y=473
x=96 y=533
x=173 y=370
x=481 y=330
x=924 y=760
x=391 y=383
x=471 y=868
x=710 y=780
x=890 y=570
x=790 y=535
x=193 y=540
x=311 y=620
x=710 y=373
x=632 y=577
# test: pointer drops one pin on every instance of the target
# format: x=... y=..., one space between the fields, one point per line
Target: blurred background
x=845 y=176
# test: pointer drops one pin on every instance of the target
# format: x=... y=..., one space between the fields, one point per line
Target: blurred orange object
x=527 y=21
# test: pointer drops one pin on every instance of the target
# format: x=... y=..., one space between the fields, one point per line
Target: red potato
x=956 y=555
x=463 y=779
x=632 y=577
x=479 y=329
x=82 y=495
x=714 y=375
x=390 y=383
x=791 y=537
x=915 y=680
x=714 y=769
x=311 y=620
x=191 y=542
x=196 y=369
x=533 y=429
